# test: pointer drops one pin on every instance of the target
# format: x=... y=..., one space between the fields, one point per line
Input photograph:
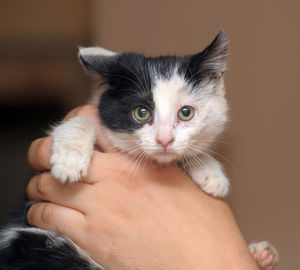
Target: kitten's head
x=165 y=108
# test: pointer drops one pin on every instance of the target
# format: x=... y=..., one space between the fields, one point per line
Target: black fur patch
x=129 y=85
x=31 y=251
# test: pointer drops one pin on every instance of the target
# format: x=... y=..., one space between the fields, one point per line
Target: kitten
x=165 y=108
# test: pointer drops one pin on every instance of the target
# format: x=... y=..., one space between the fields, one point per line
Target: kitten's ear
x=211 y=62
x=96 y=59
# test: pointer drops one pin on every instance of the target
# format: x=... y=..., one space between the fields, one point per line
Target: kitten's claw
x=265 y=255
x=73 y=143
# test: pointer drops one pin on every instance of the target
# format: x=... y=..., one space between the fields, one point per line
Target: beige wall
x=263 y=91
x=38 y=48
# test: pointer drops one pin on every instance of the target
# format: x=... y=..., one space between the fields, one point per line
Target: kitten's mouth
x=164 y=156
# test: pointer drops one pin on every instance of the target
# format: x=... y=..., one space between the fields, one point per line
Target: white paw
x=265 y=254
x=69 y=166
x=215 y=185
x=73 y=143
x=210 y=178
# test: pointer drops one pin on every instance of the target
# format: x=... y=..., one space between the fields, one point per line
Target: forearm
x=206 y=236
x=221 y=245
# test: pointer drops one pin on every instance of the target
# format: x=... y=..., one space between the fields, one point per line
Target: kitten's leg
x=73 y=144
x=264 y=254
x=210 y=177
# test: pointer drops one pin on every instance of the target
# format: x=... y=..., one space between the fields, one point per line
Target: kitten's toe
x=215 y=186
x=71 y=169
x=265 y=255
x=210 y=178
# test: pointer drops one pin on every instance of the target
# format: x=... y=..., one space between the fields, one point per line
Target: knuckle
x=31 y=214
x=47 y=214
x=43 y=184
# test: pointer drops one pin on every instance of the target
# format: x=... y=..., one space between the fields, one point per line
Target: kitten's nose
x=165 y=142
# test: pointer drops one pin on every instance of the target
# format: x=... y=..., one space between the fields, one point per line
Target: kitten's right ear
x=96 y=59
x=211 y=62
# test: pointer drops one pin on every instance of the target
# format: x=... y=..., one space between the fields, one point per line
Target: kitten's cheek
x=56 y=218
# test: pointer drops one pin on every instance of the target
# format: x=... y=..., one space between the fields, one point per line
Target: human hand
x=135 y=217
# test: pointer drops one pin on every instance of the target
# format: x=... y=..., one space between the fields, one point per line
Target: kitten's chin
x=164 y=157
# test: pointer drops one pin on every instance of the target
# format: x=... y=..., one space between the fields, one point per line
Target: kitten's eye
x=186 y=113
x=141 y=114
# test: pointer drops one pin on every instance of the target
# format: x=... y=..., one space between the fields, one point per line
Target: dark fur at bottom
x=29 y=250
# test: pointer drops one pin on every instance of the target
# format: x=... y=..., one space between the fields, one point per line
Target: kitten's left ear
x=96 y=59
x=211 y=62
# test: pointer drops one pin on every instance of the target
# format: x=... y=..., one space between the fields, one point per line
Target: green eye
x=186 y=113
x=141 y=114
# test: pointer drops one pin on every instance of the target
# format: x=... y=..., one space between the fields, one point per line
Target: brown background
x=262 y=153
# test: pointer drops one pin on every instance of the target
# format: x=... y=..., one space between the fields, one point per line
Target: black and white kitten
x=165 y=108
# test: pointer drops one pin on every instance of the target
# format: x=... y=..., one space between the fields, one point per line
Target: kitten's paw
x=213 y=182
x=72 y=149
x=265 y=254
x=214 y=185
x=69 y=167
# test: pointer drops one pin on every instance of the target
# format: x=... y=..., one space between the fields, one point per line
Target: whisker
x=138 y=158
x=217 y=141
x=202 y=151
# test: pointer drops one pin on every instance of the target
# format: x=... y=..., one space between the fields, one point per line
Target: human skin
x=141 y=216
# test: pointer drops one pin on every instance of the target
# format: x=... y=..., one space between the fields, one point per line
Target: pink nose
x=165 y=142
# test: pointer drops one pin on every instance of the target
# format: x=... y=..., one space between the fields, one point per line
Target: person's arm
x=138 y=216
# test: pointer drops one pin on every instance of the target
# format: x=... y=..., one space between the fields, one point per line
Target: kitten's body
x=166 y=109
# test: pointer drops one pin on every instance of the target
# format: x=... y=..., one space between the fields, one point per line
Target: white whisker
x=202 y=150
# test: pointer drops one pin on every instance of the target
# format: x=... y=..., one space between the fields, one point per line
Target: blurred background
x=40 y=80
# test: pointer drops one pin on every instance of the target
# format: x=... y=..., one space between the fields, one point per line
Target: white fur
x=190 y=138
x=6 y=236
x=94 y=51
x=169 y=97
x=210 y=177
x=73 y=144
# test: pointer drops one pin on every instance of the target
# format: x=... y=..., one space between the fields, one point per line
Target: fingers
x=43 y=187
x=40 y=150
x=107 y=166
x=57 y=218
x=39 y=153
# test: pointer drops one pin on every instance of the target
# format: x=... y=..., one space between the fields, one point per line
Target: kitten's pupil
x=142 y=112
x=186 y=111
